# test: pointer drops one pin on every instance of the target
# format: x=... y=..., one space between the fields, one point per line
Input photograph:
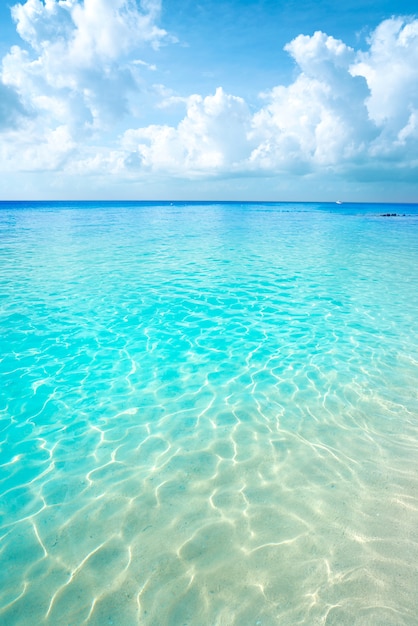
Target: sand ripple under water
x=208 y=415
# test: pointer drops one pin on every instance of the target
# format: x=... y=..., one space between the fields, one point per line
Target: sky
x=280 y=100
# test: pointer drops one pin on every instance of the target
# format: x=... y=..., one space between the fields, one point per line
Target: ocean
x=208 y=414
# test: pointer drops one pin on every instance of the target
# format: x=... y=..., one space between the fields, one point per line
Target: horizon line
x=217 y=201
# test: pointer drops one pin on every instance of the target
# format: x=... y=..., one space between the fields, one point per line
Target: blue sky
x=257 y=100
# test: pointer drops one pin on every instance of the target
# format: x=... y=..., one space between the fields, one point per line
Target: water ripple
x=206 y=421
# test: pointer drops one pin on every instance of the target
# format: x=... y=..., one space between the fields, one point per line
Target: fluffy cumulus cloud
x=77 y=73
x=347 y=111
x=319 y=120
x=390 y=68
x=212 y=138
x=74 y=70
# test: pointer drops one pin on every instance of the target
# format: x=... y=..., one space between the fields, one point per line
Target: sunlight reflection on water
x=209 y=415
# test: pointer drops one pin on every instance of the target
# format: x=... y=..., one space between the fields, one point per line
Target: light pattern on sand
x=208 y=415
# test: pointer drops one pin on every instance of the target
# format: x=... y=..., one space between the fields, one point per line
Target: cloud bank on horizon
x=74 y=91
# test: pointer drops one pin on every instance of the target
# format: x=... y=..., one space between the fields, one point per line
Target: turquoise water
x=208 y=414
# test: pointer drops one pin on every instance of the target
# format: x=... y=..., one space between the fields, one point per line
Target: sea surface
x=208 y=414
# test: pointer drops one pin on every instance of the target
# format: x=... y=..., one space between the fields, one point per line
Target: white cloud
x=321 y=118
x=150 y=66
x=79 y=54
x=354 y=113
x=344 y=111
x=42 y=150
x=212 y=138
x=390 y=67
x=74 y=75
x=88 y=32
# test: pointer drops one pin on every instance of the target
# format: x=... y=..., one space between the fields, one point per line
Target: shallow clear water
x=208 y=414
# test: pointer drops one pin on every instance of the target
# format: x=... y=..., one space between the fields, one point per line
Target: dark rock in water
x=392 y=215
